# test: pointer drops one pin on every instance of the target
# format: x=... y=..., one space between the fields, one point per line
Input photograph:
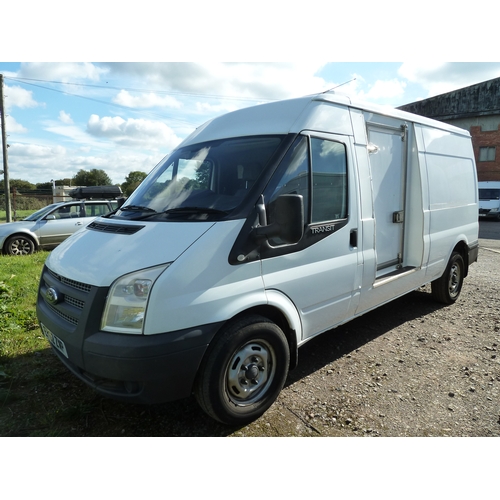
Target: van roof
x=290 y=115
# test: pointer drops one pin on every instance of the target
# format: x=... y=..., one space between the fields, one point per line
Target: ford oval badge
x=52 y=296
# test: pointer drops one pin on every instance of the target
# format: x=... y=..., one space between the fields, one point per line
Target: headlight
x=128 y=299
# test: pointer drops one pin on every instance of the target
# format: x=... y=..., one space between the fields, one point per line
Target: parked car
x=51 y=225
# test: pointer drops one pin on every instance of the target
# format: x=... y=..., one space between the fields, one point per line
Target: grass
x=40 y=397
x=19 y=215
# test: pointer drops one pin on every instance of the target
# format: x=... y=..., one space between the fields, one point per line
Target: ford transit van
x=264 y=228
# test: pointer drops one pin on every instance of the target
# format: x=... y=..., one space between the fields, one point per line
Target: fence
x=26 y=200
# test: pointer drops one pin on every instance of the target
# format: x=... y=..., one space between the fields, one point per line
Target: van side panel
x=452 y=203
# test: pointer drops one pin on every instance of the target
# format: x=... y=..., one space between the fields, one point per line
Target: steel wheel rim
x=454 y=281
x=250 y=372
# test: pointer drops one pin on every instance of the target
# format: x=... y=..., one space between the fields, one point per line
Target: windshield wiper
x=138 y=208
x=194 y=210
x=149 y=212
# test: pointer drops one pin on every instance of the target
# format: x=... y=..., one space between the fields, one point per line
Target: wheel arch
x=463 y=249
x=289 y=323
x=25 y=234
x=278 y=317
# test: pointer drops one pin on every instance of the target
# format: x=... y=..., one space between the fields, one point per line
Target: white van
x=489 y=200
x=266 y=227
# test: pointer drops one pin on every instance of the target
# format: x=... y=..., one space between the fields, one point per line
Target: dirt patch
x=410 y=368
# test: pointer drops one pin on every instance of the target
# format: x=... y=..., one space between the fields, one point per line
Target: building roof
x=481 y=99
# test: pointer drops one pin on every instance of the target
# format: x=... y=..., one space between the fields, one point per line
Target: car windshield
x=42 y=212
x=203 y=181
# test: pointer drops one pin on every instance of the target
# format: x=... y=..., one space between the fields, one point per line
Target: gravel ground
x=410 y=368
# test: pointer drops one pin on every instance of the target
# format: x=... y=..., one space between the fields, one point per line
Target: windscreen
x=211 y=178
x=489 y=194
x=42 y=212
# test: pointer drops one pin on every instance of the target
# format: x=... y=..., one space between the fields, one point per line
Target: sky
x=122 y=117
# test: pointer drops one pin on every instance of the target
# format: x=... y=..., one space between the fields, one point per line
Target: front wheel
x=447 y=288
x=19 y=245
x=244 y=371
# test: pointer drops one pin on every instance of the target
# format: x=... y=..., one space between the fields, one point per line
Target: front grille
x=72 y=283
x=73 y=296
x=65 y=317
x=80 y=304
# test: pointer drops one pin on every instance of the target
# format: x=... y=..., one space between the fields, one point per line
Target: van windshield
x=489 y=194
x=207 y=180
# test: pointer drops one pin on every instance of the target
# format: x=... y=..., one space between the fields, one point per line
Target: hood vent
x=114 y=228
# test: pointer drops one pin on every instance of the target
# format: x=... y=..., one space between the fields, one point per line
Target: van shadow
x=56 y=403
x=334 y=344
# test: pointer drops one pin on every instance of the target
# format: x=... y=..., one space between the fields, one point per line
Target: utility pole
x=6 y=183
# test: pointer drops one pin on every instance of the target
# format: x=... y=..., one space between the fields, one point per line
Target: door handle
x=353 y=238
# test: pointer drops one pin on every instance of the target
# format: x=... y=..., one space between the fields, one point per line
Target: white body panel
x=429 y=179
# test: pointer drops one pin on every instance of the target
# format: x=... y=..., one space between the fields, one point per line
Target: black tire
x=244 y=371
x=447 y=288
x=19 y=245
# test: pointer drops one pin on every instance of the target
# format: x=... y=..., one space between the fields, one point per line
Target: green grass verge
x=40 y=397
x=19 y=215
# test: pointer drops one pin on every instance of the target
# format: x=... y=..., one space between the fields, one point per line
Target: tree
x=95 y=177
x=59 y=182
x=21 y=185
x=132 y=180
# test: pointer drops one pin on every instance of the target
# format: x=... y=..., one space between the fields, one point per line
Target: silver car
x=51 y=225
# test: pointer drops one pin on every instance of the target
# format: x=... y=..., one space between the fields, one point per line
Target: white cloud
x=149 y=100
x=386 y=89
x=13 y=127
x=133 y=132
x=40 y=163
x=18 y=97
x=231 y=80
x=36 y=152
x=215 y=109
x=65 y=117
x=63 y=72
x=438 y=78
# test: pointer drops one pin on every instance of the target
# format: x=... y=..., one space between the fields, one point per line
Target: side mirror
x=50 y=217
x=288 y=220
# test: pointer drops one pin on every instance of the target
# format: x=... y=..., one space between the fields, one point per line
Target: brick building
x=476 y=109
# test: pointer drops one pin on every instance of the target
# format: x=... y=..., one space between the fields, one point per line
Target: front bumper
x=140 y=369
x=135 y=368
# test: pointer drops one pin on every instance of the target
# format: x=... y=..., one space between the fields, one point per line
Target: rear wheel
x=244 y=371
x=19 y=245
x=447 y=288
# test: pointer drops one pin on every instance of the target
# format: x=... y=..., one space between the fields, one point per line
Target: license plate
x=55 y=341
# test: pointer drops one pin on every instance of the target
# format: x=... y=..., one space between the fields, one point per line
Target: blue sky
x=125 y=116
x=121 y=117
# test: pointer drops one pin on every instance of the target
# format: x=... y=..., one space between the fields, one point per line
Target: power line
x=131 y=89
x=106 y=103
x=28 y=81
